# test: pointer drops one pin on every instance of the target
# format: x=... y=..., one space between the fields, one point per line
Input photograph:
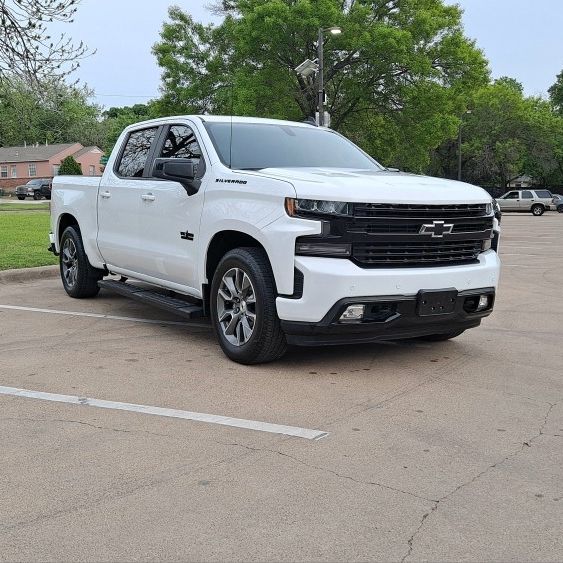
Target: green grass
x=24 y=207
x=24 y=236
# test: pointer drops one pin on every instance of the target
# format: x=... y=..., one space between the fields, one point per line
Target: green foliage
x=506 y=135
x=396 y=78
x=70 y=167
x=116 y=119
x=556 y=93
x=52 y=113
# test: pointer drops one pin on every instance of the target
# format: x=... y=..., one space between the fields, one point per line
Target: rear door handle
x=105 y=195
x=148 y=197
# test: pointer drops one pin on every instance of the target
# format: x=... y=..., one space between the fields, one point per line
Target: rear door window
x=135 y=153
x=527 y=195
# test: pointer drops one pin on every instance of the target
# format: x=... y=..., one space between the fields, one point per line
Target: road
x=442 y=451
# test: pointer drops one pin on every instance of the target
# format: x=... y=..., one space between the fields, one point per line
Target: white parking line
x=295 y=431
x=99 y=316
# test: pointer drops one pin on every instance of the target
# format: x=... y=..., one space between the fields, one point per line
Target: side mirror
x=180 y=170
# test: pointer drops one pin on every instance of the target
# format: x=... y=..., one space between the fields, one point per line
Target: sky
x=520 y=38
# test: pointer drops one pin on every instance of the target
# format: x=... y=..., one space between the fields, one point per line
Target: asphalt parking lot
x=447 y=451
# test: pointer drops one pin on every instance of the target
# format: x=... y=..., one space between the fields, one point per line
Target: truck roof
x=224 y=119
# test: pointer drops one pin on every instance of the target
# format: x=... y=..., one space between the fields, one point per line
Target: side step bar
x=171 y=304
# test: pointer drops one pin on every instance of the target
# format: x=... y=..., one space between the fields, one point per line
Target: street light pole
x=321 y=82
x=459 y=147
x=459 y=152
x=321 y=75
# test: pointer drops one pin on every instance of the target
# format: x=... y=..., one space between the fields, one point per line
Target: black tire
x=37 y=196
x=48 y=197
x=537 y=210
x=21 y=197
x=560 y=209
x=443 y=336
x=266 y=342
x=83 y=281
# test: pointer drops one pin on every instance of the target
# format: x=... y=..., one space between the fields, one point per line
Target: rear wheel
x=79 y=278
x=537 y=209
x=243 y=308
x=21 y=197
x=560 y=209
x=443 y=336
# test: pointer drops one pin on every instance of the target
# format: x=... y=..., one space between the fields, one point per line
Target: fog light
x=353 y=314
x=487 y=243
x=483 y=303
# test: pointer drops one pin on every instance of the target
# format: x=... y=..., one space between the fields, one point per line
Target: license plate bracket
x=436 y=302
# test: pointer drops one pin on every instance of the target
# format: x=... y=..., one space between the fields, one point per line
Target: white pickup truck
x=279 y=232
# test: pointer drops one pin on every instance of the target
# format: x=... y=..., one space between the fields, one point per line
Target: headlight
x=308 y=207
x=489 y=208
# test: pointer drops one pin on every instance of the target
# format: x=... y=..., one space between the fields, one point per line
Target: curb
x=28 y=274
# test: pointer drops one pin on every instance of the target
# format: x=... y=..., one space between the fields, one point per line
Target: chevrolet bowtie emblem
x=437 y=229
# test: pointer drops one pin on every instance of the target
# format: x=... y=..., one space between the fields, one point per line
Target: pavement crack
x=525 y=444
x=331 y=471
x=81 y=422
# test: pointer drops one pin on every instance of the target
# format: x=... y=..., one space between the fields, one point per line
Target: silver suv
x=535 y=201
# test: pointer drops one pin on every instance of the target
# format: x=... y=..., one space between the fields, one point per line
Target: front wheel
x=21 y=197
x=537 y=210
x=243 y=308
x=560 y=209
x=79 y=278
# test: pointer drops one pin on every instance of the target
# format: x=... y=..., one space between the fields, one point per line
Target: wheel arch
x=66 y=220
x=224 y=241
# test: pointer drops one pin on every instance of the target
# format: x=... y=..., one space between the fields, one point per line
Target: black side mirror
x=180 y=170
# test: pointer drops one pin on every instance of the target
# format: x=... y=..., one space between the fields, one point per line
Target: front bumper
x=328 y=280
x=392 y=317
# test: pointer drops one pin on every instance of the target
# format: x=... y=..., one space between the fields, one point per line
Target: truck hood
x=376 y=186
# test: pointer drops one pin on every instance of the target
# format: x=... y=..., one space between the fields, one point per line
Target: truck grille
x=392 y=235
x=397 y=210
x=401 y=253
x=382 y=235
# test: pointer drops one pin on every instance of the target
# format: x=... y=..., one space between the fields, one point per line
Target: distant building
x=18 y=165
x=523 y=181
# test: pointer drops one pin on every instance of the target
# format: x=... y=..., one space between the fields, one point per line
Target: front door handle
x=148 y=197
x=105 y=195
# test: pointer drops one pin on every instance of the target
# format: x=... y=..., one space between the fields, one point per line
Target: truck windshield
x=256 y=145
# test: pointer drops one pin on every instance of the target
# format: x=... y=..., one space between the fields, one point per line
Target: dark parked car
x=37 y=189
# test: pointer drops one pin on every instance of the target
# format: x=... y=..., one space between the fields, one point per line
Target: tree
x=70 y=167
x=556 y=93
x=26 y=49
x=506 y=135
x=116 y=119
x=396 y=78
x=52 y=113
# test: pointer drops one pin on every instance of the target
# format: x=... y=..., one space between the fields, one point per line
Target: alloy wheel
x=236 y=306
x=69 y=262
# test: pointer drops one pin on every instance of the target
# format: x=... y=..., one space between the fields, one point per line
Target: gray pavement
x=447 y=451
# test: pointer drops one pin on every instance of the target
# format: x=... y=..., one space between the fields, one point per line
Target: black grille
x=416 y=253
x=383 y=235
x=424 y=211
x=408 y=226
